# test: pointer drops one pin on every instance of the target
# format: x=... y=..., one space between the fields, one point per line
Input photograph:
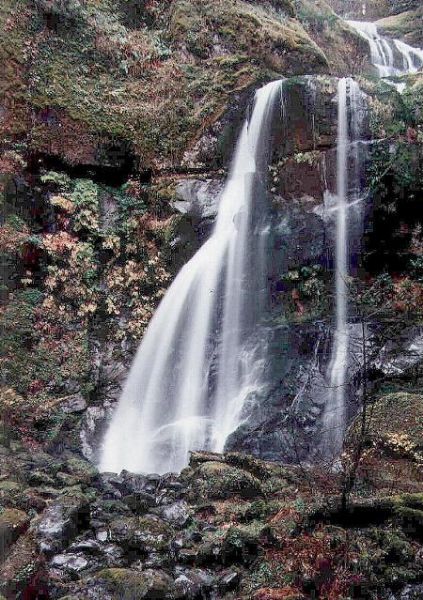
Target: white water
x=195 y=366
x=334 y=416
x=390 y=57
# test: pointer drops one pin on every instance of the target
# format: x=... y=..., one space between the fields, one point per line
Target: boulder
x=217 y=480
x=198 y=199
x=177 y=514
x=144 y=534
x=62 y=521
x=194 y=583
x=74 y=404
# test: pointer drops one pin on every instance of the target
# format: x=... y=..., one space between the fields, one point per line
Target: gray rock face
x=410 y=592
x=402 y=354
x=177 y=514
x=61 y=522
x=74 y=404
x=198 y=199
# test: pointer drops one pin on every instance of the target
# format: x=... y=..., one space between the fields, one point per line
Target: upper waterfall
x=390 y=57
x=195 y=367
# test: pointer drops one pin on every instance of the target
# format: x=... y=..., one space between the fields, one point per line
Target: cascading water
x=195 y=367
x=390 y=57
x=348 y=174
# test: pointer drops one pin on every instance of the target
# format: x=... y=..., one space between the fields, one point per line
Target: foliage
x=305 y=292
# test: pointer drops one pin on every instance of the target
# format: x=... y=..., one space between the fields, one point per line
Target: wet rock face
x=198 y=199
x=61 y=522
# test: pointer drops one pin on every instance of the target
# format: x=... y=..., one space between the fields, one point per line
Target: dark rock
x=229 y=580
x=105 y=510
x=74 y=404
x=137 y=483
x=177 y=514
x=193 y=583
x=110 y=485
x=156 y=560
x=61 y=522
x=188 y=556
x=140 y=502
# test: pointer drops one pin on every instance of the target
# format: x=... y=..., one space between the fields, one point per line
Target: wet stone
x=177 y=514
x=229 y=580
x=70 y=562
x=61 y=522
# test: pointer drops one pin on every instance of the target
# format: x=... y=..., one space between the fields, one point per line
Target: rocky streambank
x=229 y=526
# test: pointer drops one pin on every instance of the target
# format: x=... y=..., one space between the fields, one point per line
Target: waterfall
x=196 y=366
x=390 y=57
x=348 y=173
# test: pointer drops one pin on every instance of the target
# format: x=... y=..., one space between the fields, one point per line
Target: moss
x=411 y=521
x=128 y=584
x=406 y=26
x=21 y=567
x=343 y=47
x=258 y=468
x=395 y=425
x=81 y=469
x=241 y=543
x=13 y=523
x=218 y=480
x=145 y=534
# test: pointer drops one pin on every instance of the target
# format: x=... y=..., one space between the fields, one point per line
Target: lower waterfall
x=194 y=367
x=334 y=415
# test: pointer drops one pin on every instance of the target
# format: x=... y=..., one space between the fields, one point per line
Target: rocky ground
x=229 y=526
x=117 y=123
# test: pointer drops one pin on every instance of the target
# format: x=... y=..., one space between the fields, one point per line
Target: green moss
x=128 y=584
x=219 y=480
x=241 y=543
x=406 y=25
x=395 y=425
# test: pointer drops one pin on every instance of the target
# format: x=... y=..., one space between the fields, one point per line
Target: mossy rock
x=258 y=468
x=11 y=492
x=406 y=26
x=217 y=480
x=241 y=543
x=144 y=534
x=13 y=523
x=127 y=584
x=82 y=470
x=395 y=425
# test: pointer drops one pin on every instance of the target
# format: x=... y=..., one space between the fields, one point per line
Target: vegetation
x=105 y=107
